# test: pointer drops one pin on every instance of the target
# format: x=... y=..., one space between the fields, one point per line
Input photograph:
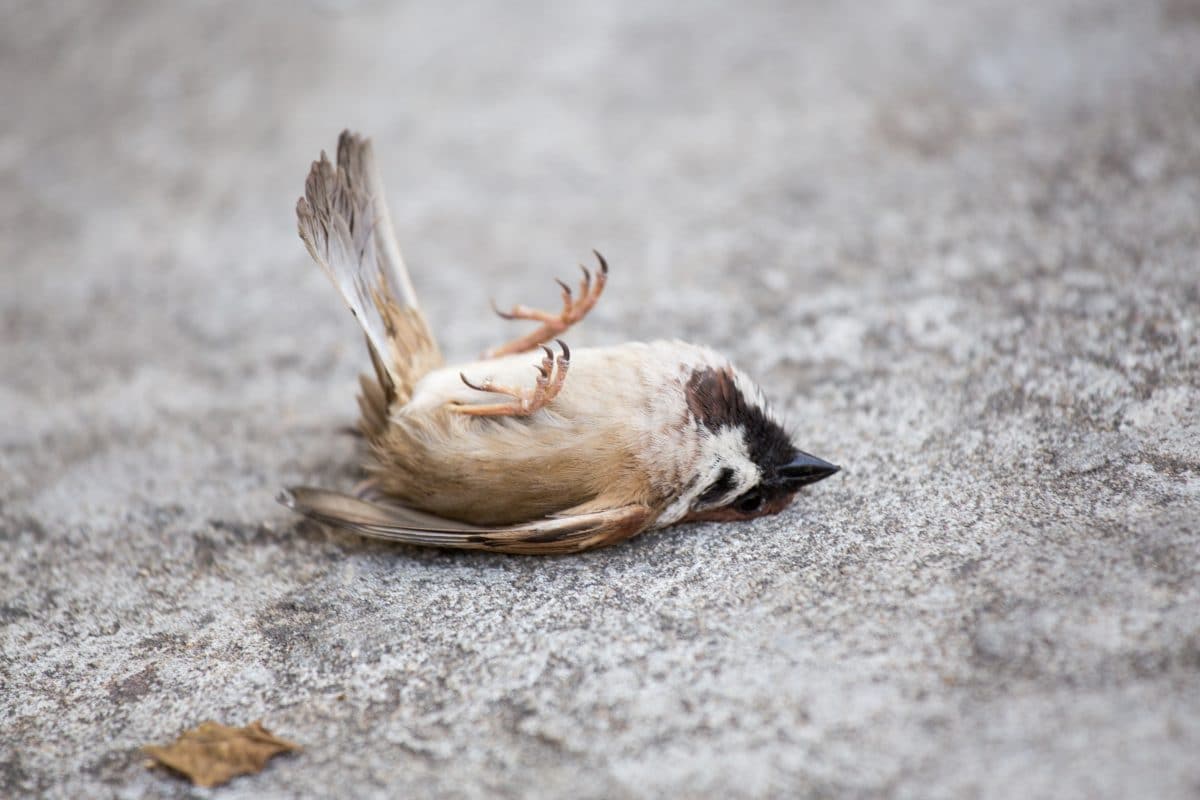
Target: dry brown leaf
x=212 y=754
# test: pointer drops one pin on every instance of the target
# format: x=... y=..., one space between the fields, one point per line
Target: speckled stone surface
x=958 y=243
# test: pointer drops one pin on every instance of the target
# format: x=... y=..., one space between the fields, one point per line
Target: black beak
x=805 y=469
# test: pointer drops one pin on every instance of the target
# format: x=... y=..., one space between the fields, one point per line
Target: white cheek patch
x=725 y=449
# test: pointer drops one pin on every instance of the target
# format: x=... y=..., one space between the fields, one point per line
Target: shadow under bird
x=533 y=448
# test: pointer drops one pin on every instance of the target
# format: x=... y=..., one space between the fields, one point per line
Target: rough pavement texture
x=958 y=245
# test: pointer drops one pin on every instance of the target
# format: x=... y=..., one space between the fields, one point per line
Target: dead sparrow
x=559 y=453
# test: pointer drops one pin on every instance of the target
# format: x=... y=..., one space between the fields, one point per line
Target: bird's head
x=747 y=466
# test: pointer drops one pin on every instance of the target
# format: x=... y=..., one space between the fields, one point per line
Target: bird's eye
x=749 y=502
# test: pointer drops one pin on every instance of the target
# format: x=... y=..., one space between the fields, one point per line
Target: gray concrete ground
x=958 y=243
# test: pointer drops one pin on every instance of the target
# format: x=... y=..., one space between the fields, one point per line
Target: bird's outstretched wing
x=551 y=535
x=344 y=222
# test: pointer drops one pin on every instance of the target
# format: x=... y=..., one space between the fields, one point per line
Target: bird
x=534 y=448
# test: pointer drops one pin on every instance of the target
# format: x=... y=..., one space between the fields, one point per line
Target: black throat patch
x=715 y=402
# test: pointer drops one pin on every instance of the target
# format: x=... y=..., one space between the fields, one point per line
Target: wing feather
x=356 y=159
x=344 y=221
x=337 y=221
x=569 y=533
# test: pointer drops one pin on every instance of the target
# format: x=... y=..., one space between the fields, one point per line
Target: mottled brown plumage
x=523 y=452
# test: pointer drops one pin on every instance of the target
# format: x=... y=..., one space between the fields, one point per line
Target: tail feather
x=396 y=523
x=344 y=223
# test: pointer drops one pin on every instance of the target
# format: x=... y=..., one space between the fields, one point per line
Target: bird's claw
x=574 y=308
x=552 y=374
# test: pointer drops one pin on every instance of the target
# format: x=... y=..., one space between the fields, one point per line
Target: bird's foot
x=552 y=373
x=573 y=310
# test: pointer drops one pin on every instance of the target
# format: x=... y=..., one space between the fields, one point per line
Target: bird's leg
x=553 y=324
x=552 y=373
